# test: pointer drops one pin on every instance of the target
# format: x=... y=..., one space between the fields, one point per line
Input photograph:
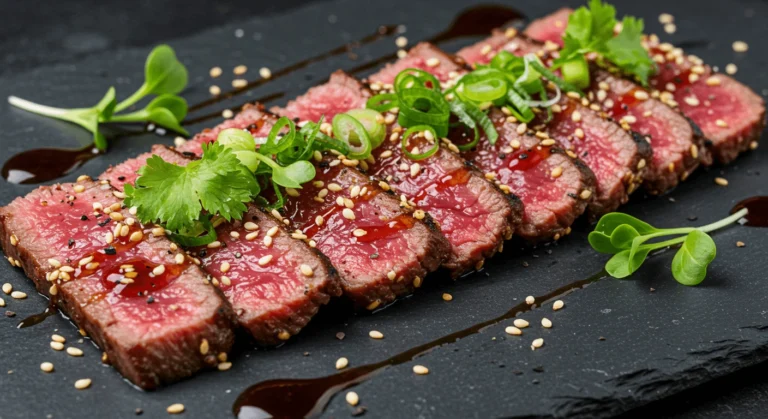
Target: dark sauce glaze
x=43 y=164
x=758 y=211
x=308 y=397
x=37 y=318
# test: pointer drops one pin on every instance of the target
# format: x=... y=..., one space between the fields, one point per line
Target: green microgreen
x=628 y=239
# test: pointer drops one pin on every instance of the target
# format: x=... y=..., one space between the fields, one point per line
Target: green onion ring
x=426 y=154
x=382 y=102
x=343 y=126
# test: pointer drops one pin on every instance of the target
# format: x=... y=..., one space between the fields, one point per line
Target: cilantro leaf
x=627 y=52
x=177 y=195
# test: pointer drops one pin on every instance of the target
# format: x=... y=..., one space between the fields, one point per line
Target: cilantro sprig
x=591 y=30
x=164 y=76
x=628 y=240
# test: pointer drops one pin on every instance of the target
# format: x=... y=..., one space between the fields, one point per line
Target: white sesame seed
x=72 y=351
x=319 y=220
x=352 y=398
x=546 y=323
x=720 y=123
x=117 y=216
x=375 y=334
x=214 y=90
x=83 y=383
x=224 y=268
x=7 y=288
x=136 y=236
x=557 y=171
x=731 y=69
x=265 y=73
x=447 y=297
x=433 y=62
x=158 y=231
x=240 y=70
x=348 y=214
x=2 y=302
x=415 y=169
x=521 y=323
x=558 y=305
x=79 y=188
x=512 y=330
x=57 y=346
x=19 y=295
x=576 y=116
x=227 y=113
x=175 y=408
x=306 y=270
x=215 y=72
x=420 y=370
x=740 y=46
x=224 y=366
x=521 y=129
x=359 y=232
x=342 y=363
x=250 y=226
x=58 y=338
x=530 y=300
x=692 y=100
x=158 y=270
x=666 y=18
x=265 y=260
x=670 y=28
x=272 y=231
x=46 y=367
x=641 y=95
x=401 y=41
x=721 y=181
x=214 y=244
x=239 y=83
x=179 y=258
x=537 y=343
x=391 y=275
x=252 y=235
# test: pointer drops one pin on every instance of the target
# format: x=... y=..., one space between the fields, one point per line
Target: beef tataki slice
x=550 y=203
x=474 y=216
x=118 y=281
x=272 y=297
x=618 y=158
x=731 y=116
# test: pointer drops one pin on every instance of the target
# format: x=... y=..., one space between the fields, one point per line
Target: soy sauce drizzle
x=309 y=397
x=43 y=164
x=38 y=318
x=758 y=211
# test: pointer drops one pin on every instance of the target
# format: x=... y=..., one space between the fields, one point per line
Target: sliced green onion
x=519 y=108
x=414 y=77
x=349 y=130
x=484 y=85
x=576 y=72
x=273 y=145
x=470 y=145
x=426 y=154
x=372 y=122
x=549 y=75
x=382 y=102
x=420 y=106
x=484 y=122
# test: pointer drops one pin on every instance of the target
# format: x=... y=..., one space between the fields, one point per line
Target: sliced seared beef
x=251 y=117
x=616 y=156
x=271 y=296
x=398 y=250
x=730 y=115
x=472 y=214
x=118 y=281
x=550 y=203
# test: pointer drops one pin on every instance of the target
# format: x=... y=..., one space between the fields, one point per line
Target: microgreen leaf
x=623 y=235
x=602 y=243
x=610 y=221
x=689 y=267
x=163 y=74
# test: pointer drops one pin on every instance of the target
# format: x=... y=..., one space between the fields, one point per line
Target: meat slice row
x=730 y=115
x=154 y=315
x=380 y=250
x=473 y=215
x=618 y=158
x=275 y=288
x=554 y=187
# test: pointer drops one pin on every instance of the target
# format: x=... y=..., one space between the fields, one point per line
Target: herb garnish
x=591 y=30
x=164 y=76
x=626 y=238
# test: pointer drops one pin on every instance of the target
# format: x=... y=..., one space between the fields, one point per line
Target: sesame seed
x=348 y=214
x=79 y=188
x=666 y=18
x=334 y=187
x=391 y=275
x=83 y=383
x=215 y=72
x=239 y=83
x=692 y=100
x=18 y=295
x=420 y=370
x=72 y=351
x=158 y=270
x=283 y=335
x=447 y=297
x=486 y=49
x=136 y=236
x=175 y=408
x=57 y=346
x=521 y=129
x=740 y=244
x=214 y=90
x=306 y=270
x=117 y=216
x=530 y=300
x=512 y=330
x=179 y=258
x=224 y=366
x=265 y=260
x=419 y=214
x=250 y=226
x=58 y=338
x=252 y=235
x=546 y=323
x=720 y=123
x=342 y=363
x=558 y=305
x=537 y=343
x=415 y=169
x=213 y=244
x=14 y=240
x=224 y=268
x=731 y=69
x=740 y=46
x=7 y=288
x=557 y=171
x=2 y=302
x=240 y=70
x=548 y=142
x=520 y=323
x=352 y=398
x=46 y=367
x=401 y=41
x=375 y=334
x=575 y=116
x=265 y=73
x=641 y=164
x=225 y=280
x=641 y=95
x=713 y=81
x=579 y=133
x=359 y=232
x=670 y=28
x=721 y=181
x=227 y=113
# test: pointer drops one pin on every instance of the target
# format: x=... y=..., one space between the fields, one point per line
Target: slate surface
x=656 y=343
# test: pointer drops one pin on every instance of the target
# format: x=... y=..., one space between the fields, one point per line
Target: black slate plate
x=656 y=343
